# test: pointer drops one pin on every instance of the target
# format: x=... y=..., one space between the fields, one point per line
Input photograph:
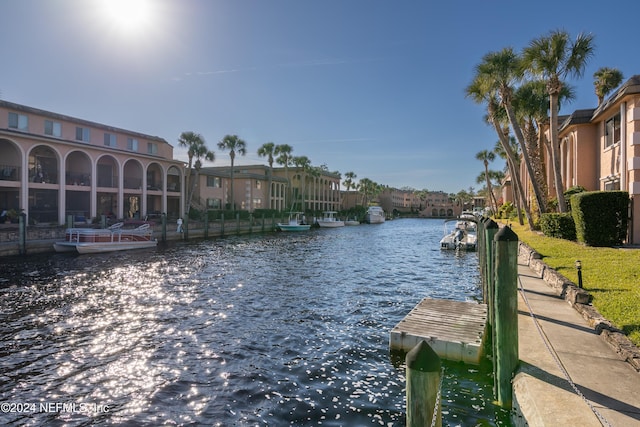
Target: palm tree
x=369 y=190
x=196 y=149
x=482 y=92
x=485 y=157
x=349 y=182
x=606 y=79
x=283 y=153
x=233 y=144
x=499 y=150
x=268 y=150
x=501 y=71
x=303 y=164
x=553 y=58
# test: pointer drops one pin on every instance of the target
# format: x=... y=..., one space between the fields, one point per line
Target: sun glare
x=128 y=16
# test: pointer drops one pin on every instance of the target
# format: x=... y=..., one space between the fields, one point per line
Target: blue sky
x=368 y=86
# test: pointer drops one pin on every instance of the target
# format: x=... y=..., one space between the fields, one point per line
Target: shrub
x=558 y=225
x=601 y=217
x=507 y=210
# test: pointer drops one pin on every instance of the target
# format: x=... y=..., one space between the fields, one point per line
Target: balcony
x=9 y=173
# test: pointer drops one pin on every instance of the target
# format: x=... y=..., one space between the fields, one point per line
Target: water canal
x=263 y=330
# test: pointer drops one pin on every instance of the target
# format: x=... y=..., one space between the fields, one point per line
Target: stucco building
x=251 y=183
x=600 y=149
x=53 y=165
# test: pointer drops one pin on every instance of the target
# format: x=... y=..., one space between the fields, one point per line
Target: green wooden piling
x=221 y=224
x=69 y=221
x=22 y=231
x=506 y=314
x=238 y=223
x=103 y=221
x=185 y=227
x=164 y=227
x=423 y=386
x=206 y=225
x=490 y=230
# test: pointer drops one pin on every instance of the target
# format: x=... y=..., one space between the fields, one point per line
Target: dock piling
x=423 y=387
x=505 y=314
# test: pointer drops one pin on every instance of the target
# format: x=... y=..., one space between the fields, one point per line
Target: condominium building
x=250 y=189
x=600 y=150
x=307 y=191
x=53 y=166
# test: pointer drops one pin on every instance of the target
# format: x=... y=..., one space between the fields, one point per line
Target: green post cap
x=423 y=358
x=506 y=234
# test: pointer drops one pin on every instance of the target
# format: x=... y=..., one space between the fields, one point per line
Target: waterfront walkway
x=569 y=375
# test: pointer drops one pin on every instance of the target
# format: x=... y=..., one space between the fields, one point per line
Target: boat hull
x=331 y=224
x=294 y=227
x=95 y=248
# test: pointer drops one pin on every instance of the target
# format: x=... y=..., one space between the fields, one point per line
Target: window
x=52 y=128
x=258 y=184
x=132 y=144
x=83 y=134
x=18 y=121
x=213 y=181
x=214 y=203
x=152 y=148
x=612 y=186
x=110 y=140
x=612 y=131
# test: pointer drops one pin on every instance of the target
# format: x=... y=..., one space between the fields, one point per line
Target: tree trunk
x=525 y=155
x=516 y=191
x=555 y=152
x=504 y=140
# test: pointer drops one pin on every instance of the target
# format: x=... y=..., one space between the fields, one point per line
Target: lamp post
x=579 y=268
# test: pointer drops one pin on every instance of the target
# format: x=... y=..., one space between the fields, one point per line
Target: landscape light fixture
x=579 y=268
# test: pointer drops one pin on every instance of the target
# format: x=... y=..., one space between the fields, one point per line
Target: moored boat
x=352 y=222
x=375 y=215
x=114 y=238
x=329 y=220
x=459 y=234
x=295 y=223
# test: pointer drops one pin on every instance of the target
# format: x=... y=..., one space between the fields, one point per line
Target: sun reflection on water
x=227 y=332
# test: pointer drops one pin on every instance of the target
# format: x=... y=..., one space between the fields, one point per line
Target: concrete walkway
x=569 y=375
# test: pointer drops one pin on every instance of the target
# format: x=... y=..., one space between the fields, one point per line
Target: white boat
x=329 y=220
x=459 y=234
x=114 y=238
x=294 y=224
x=375 y=215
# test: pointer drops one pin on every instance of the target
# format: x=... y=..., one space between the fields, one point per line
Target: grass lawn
x=612 y=276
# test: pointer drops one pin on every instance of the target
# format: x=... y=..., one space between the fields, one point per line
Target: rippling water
x=275 y=329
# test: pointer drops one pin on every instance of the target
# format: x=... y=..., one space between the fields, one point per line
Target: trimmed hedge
x=560 y=225
x=600 y=217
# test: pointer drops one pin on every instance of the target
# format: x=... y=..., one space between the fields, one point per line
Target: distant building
x=250 y=188
x=52 y=166
x=321 y=193
x=439 y=204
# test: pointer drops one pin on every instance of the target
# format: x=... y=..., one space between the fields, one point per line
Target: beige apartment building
x=600 y=149
x=53 y=166
x=251 y=183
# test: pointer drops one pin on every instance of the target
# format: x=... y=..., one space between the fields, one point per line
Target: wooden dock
x=454 y=329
